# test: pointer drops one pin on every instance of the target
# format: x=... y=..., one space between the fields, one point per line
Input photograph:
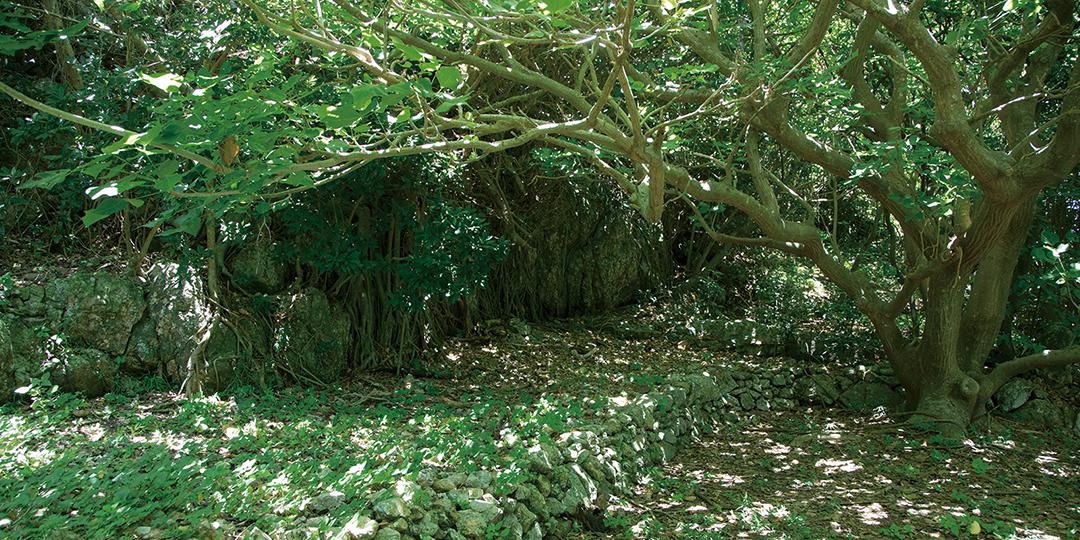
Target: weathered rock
x=443 y=485
x=572 y=226
x=99 y=309
x=745 y=335
x=817 y=388
x=359 y=527
x=144 y=532
x=327 y=502
x=29 y=358
x=1014 y=394
x=865 y=396
x=89 y=371
x=543 y=458
x=388 y=534
x=479 y=479
x=470 y=524
x=256 y=269
x=7 y=363
x=235 y=348
x=534 y=533
x=177 y=311
x=1040 y=412
x=391 y=508
x=255 y=533
x=428 y=526
x=486 y=506
x=313 y=338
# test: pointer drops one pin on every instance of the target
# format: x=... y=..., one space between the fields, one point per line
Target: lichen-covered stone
x=256 y=269
x=470 y=524
x=390 y=508
x=177 y=310
x=7 y=363
x=543 y=458
x=388 y=534
x=865 y=396
x=359 y=527
x=312 y=339
x=327 y=502
x=89 y=371
x=99 y=309
x=1014 y=394
x=1040 y=412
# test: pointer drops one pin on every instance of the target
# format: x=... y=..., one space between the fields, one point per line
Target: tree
x=950 y=117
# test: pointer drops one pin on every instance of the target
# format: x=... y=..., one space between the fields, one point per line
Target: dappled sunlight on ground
x=838 y=475
x=216 y=465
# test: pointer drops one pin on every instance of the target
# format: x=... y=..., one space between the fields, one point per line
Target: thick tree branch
x=110 y=129
x=1018 y=366
x=992 y=170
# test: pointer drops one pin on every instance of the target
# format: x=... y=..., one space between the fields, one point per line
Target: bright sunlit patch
x=872 y=514
x=833 y=466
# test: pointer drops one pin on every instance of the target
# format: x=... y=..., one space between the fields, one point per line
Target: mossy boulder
x=7 y=363
x=99 y=309
x=312 y=337
x=256 y=269
x=89 y=371
x=177 y=311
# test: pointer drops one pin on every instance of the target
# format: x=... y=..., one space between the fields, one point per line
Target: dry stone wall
x=574 y=476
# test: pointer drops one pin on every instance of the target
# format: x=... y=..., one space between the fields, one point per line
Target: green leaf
x=107 y=208
x=449 y=77
x=336 y=116
x=363 y=95
x=556 y=6
x=47 y=179
x=166 y=176
x=167 y=82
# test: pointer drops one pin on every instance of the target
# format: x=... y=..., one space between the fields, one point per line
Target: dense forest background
x=259 y=196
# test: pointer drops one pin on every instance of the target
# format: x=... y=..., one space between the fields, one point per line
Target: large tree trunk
x=940 y=391
x=963 y=312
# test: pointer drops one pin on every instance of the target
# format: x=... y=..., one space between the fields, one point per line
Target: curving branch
x=118 y=131
x=1018 y=366
x=990 y=169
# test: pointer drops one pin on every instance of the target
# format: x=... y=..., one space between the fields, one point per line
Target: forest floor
x=213 y=467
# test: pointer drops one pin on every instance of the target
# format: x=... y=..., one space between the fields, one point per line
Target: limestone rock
x=543 y=458
x=865 y=396
x=470 y=524
x=443 y=485
x=256 y=269
x=177 y=310
x=817 y=388
x=387 y=534
x=359 y=527
x=28 y=356
x=428 y=526
x=313 y=338
x=7 y=363
x=1014 y=394
x=99 y=309
x=89 y=371
x=327 y=502
x=1040 y=412
x=745 y=335
x=391 y=508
